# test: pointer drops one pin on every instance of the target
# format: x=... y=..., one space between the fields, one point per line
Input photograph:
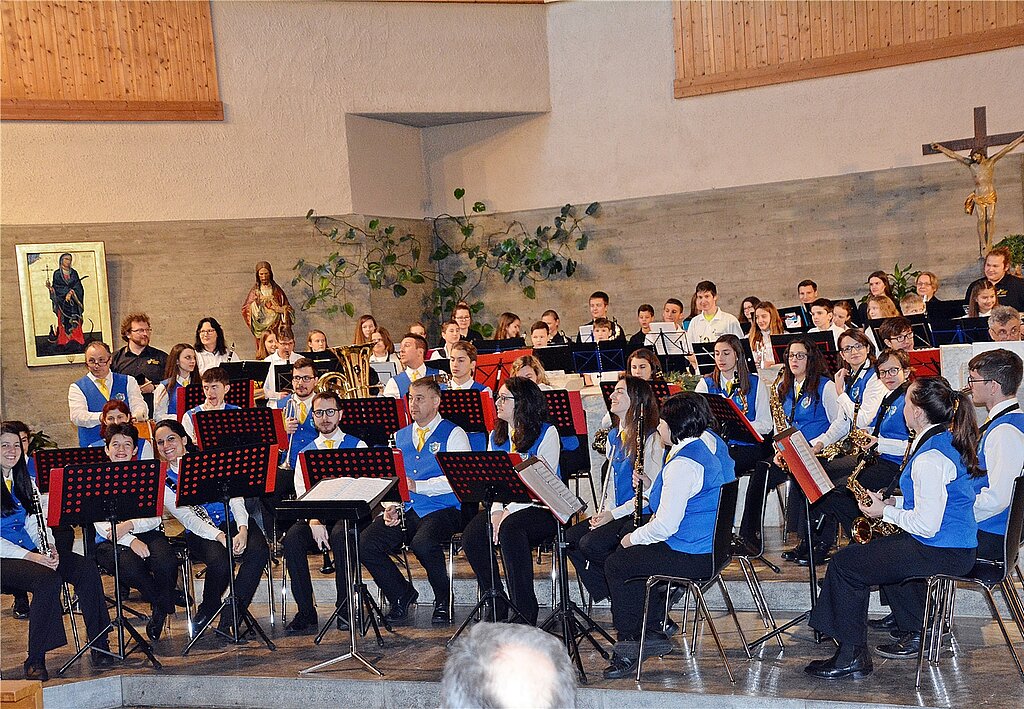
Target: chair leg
x=924 y=627
x=1013 y=602
x=1002 y=628
x=714 y=631
x=754 y=584
x=643 y=626
x=732 y=611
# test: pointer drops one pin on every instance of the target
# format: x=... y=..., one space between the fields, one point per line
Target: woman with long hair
x=211 y=347
x=878 y=286
x=529 y=367
x=643 y=364
x=181 y=371
x=936 y=511
x=25 y=568
x=677 y=539
x=593 y=540
x=859 y=391
x=267 y=345
x=982 y=299
x=746 y=316
x=509 y=326
x=383 y=346
x=365 y=328
x=518 y=527
x=767 y=322
x=316 y=341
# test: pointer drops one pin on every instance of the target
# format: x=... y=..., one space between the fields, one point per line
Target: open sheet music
x=804 y=465
x=545 y=484
x=368 y=490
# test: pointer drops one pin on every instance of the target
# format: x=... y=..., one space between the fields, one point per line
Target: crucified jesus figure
x=983 y=199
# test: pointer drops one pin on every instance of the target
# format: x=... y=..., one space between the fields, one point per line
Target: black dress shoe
x=20 y=608
x=102 y=661
x=36 y=670
x=155 y=626
x=441 y=615
x=670 y=628
x=621 y=666
x=399 y=611
x=860 y=666
x=302 y=625
x=908 y=645
x=200 y=619
x=886 y=623
x=657 y=644
x=820 y=556
x=797 y=552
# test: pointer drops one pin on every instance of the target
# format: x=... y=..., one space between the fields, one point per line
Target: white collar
x=468 y=384
x=430 y=427
x=420 y=370
x=1001 y=406
x=676 y=447
x=338 y=436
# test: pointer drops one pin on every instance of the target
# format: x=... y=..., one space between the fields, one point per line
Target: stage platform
x=249 y=675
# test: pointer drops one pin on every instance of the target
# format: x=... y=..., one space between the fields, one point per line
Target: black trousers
x=298 y=543
x=517 y=536
x=252 y=563
x=638 y=562
x=45 y=619
x=839 y=507
x=155 y=576
x=842 y=608
x=426 y=536
x=589 y=549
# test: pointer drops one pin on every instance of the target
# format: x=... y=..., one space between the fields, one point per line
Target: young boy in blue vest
x=431 y=517
x=412 y=353
x=463 y=365
x=216 y=386
x=87 y=396
x=994 y=378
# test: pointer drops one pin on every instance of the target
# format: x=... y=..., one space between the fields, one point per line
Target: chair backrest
x=1014 y=525
x=721 y=553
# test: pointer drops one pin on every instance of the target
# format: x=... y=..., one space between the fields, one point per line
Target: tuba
x=352 y=380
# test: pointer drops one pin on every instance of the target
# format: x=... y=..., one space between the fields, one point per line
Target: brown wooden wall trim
x=42 y=110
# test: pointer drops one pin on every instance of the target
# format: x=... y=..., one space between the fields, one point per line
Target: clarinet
x=638 y=471
x=44 y=541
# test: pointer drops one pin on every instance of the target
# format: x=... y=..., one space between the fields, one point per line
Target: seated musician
x=643 y=364
x=463 y=366
x=316 y=341
x=994 y=378
x=603 y=329
x=555 y=336
x=297 y=405
x=598 y=305
x=24 y=568
x=767 y=322
x=984 y=297
x=518 y=527
x=216 y=386
x=463 y=315
x=383 y=347
x=897 y=334
x=1004 y=324
x=678 y=538
x=207 y=535
x=285 y=354
x=412 y=353
x=529 y=367
x=145 y=559
x=87 y=396
x=431 y=517
x=593 y=540
x=937 y=514
x=117 y=412
x=306 y=535
x=181 y=372
x=712 y=322
x=539 y=334
x=644 y=317
x=449 y=336
x=821 y=316
x=912 y=304
x=509 y=326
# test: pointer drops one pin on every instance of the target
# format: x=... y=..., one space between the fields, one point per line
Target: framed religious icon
x=64 y=300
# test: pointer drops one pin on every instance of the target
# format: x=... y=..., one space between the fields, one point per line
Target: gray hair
x=506 y=665
x=1003 y=315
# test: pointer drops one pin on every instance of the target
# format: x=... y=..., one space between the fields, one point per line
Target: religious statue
x=983 y=198
x=266 y=307
x=67 y=298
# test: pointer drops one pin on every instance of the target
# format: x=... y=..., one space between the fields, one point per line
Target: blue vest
x=87 y=435
x=533 y=451
x=893 y=426
x=305 y=434
x=996 y=524
x=214 y=509
x=12 y=526
x=722 y=453
x=403 y=381
x=477 y=439
x=750 y=410
x=856 y=389
x=808 y=416
x=621 y=468
x=422 y=465
x=696 y=533
x=958 y=529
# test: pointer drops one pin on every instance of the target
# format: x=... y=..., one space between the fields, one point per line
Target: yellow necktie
x=185 y=382
x=511 y=441
x=413 y=375
x=8 y=481
x=329 y=442
x=421 y=437
x=303 y=412
x=101 y=384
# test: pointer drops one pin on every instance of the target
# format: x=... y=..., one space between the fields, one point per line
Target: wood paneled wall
x=108 y=61
x=723 y=46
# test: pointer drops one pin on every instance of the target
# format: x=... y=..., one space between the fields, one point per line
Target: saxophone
x=778 y=411
x=848 y=444
x=864 y=529
x=735 y=388
x=638 y=471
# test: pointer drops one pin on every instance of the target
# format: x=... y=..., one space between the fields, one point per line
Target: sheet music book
x=368 y=490
x=586 y=333
x=546 y=486
x=666 y=339
x=804 y=465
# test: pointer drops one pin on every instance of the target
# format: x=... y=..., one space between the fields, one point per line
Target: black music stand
x=492 y=346
x=237 y=428
x=555 y=358
x=217 y=475
x=825 y=341
x=599 y=357
x=728 y=414
x=705 y=354
x=961 y=331
x=109 y=492
x=351 y=512
x=326 y=463
x=485 y=478
x=374 y=421
x=472 y=411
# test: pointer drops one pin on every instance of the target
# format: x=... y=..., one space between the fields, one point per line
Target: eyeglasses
x=142 y=329
x=798 y=356
x=503 y=398
x=852 y=348
x=303 y=378
x=319 y=413
x=97 y=361
x=891 y=372
x=905 y=337
x=971 y=380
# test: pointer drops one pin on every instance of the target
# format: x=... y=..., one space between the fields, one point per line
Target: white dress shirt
x=207 y=360
x=1004 y=460
x=191 y=521
x=703 y=329
x=654 y=457
x=468 y=384
x=874 y=392
x=270 y=385
x=931 y=472
x=391 y=388
x=683 y=478
x=337 y=437
x=549 y=450
x=79 y=407
x=162 y=402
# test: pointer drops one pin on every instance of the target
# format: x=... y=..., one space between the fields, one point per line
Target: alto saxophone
x=864 y=529
x=778 y=411
x=848 y=444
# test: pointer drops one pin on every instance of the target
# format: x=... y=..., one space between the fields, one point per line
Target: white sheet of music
x=666 y=339
x=546 y=485
x=335 y=489
x=811 y=462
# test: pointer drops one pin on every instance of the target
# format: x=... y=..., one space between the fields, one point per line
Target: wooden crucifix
x=983 y=199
